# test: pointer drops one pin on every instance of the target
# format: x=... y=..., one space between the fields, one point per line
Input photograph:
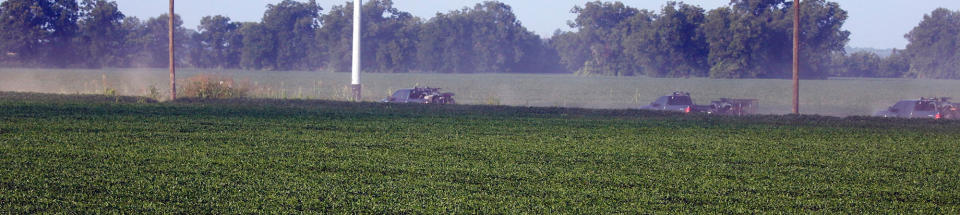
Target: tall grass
x=215 y=87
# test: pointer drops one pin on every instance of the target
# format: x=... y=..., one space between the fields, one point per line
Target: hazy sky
x=873 y=23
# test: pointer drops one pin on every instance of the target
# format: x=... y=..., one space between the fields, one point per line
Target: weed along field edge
x=841 y=97
x=111 y=154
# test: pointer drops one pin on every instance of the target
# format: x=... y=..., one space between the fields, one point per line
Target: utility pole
x=355 y=83
x=173 y=69
x=796 y=56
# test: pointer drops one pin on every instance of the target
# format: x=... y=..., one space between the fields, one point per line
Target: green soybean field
x=108 y=154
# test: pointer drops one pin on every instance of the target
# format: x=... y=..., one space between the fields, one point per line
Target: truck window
x=903 y=106
x=400 y=95
x=925 y=106
x=680 y=100
x=662 y=100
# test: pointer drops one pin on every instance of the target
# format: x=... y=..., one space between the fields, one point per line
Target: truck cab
x=678 y=101
x=404 y=96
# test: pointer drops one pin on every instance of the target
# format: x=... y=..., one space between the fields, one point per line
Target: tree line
x=292 y=35
x=933 y=52
x=745 y=39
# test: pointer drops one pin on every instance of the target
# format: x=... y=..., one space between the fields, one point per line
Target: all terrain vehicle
x=424 y=95
x=681 y=101
x=930 y=108
x=736 y=107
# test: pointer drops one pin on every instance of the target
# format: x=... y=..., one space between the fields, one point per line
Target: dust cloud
x=842 y=97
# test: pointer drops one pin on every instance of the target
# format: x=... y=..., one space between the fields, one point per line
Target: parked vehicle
x=419 y=95
x=930 y=108
x=737 y=107
x=678 y=101
x=682 y=102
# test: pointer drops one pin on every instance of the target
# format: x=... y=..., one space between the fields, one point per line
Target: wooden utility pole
x=796 y=57
x=173 y=69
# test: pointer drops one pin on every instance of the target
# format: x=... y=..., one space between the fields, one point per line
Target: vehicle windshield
x=401 y=94
x=680 y=100
x=925 y=106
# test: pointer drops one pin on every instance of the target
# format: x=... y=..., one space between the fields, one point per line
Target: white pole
x=355 y=83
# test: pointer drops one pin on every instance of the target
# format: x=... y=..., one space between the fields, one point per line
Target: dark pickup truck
x=420 y=95
x=931 y=108
x=681 y=101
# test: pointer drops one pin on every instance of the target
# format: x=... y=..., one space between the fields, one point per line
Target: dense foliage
x=935 y=46
x=745 y=39
x=597 y=45
x=292 y=35
x=870 y=64
x=89 y=154
x=933 y=52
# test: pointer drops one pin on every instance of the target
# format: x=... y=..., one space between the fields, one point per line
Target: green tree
x=334 y=37
x=753 y=38
x=670 y=44
x=861 y=64
x=293 y=25
x=155 y=41
x=821 y=34
x=220 y=42
x=539 y=56
x=21 y=31
x=603 y=27
x=597 y=45
x=572 y=53
x=196 y=52
x=133 y=44
x=446 y=44
x=485 y=38
x=894 y=66
x=748 y=40
x=935 y=46
x=102 y=33
x=62 y=25
x=259 y=47
x=389 y=37
x=732 y=38
x=39 y=31
x=498 y=37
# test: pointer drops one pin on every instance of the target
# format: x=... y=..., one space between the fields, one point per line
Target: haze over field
x=873 y=24
x=845 y=97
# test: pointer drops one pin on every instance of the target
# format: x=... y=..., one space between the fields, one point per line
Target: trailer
x=734 y=107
